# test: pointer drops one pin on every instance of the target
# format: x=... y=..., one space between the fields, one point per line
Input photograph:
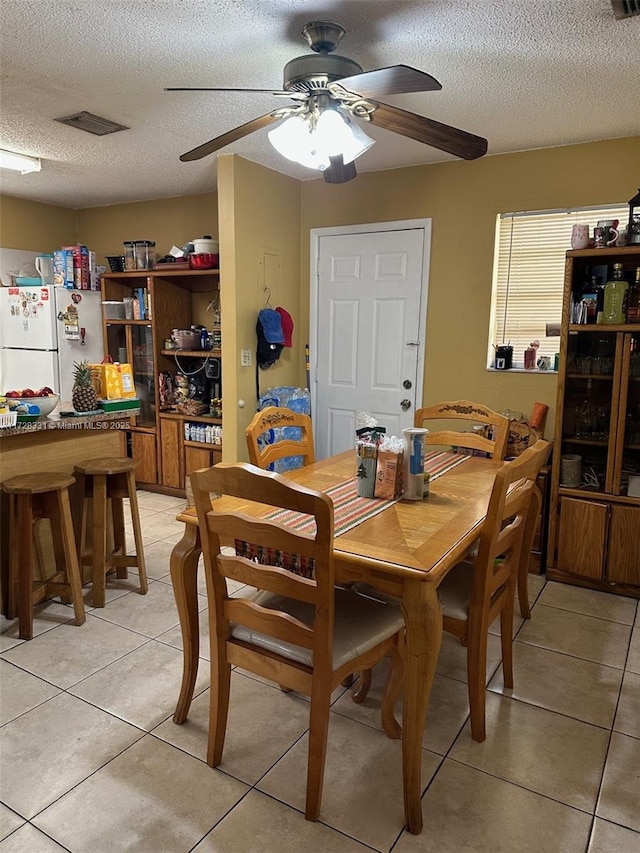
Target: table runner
x=350 y=509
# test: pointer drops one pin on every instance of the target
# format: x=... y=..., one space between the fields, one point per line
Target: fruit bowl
x=45 y=404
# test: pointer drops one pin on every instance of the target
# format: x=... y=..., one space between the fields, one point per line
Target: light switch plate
x=246 y=358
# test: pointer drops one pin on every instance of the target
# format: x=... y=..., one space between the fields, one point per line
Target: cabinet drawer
x=581 y=537
x=623 y=565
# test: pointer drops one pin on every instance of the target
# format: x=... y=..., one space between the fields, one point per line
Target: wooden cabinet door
x=143 y=450
x=195 y=458
x=581 y=537
x=170 y=452
x=623 y=564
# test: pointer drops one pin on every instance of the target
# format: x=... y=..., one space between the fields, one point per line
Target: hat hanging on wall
x=270 y=338
x=287 y=325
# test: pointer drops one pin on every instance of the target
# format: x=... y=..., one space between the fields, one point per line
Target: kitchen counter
x=103 y=421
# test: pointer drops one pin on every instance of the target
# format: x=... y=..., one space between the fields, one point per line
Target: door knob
x=405 y=404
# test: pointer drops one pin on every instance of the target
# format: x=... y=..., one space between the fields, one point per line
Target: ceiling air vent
x=625 y=8
x=92 y=124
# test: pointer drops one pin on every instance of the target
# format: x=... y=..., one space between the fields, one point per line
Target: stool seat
x=105 y=465
x=33 y=497
x=104 y=480
x=36 y=484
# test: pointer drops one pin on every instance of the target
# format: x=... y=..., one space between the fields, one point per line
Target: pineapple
x=83 y=394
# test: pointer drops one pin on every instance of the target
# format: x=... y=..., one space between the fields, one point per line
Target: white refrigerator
x=43 y=331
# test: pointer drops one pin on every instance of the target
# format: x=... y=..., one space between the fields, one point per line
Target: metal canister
x=415 y=442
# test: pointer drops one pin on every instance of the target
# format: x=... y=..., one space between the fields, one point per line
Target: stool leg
x=71 y=556
x=99 y=539
x=12 y=604
x=137 y=531
x=52 y=511
x=25 y=557
x=119 y=536
x=81 y=531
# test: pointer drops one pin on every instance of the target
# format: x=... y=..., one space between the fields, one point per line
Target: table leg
x=184 y=577
x=423 y=621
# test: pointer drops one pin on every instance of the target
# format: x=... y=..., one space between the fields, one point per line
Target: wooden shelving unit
x=594 y=531
x=156 y=439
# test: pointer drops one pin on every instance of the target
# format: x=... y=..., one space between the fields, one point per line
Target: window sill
x=522 y=370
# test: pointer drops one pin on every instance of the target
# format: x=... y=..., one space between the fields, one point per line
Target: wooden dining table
x=404 y=551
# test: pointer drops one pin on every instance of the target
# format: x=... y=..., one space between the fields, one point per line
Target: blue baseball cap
x=271 y=326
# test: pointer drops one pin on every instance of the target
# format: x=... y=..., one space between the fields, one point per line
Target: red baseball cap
x=287 y=325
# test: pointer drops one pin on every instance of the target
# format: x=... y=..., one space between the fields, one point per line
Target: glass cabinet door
x=133 y=343
x=588 y=418
x=628 y=457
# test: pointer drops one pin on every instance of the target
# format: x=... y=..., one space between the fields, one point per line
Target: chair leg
x=137 y=531
x=506 y=640
x=361 y=688
x=527 y=542
x=392 y=690
x=476 y=678
x=318 y=731
x=218 y=705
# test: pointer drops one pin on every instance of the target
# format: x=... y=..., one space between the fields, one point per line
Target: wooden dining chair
x=297 y=629
x=470 y=413
x=475 y=592
x=262 y=453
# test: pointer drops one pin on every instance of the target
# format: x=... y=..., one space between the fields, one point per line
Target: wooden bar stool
x=104 y=479
x=33 y=497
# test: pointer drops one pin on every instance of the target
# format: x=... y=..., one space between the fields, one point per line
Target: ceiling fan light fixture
x=294 y=140
x=19 y=162
x=313 y=143
x=359 y=142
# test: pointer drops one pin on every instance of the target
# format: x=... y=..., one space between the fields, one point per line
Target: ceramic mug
x=580 y=237
x=605 y=234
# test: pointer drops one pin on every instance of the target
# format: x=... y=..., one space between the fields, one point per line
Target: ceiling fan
x=330 y=93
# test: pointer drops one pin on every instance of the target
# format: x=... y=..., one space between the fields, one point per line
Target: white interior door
x=368 y=319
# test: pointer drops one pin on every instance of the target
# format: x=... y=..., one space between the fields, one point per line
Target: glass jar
x=145 y=252
x=129 y=255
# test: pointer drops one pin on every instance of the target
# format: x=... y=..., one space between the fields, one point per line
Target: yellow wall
x=463 y=198
x=259 y=247
x=35 y=227
x=167 y=221
x=261 y=210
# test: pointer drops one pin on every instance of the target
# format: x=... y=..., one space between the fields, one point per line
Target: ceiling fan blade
x=229 y=137
x=442 y=136
x=339 y=172
x=203 y=89
x=395 y=80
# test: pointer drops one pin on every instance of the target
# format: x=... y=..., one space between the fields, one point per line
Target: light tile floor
x=91 y=760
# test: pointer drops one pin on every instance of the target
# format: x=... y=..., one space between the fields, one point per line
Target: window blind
x=528 y=274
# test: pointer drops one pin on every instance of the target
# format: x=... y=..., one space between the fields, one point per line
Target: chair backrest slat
x=281 y=626
x=272 y=417
x=465 y=410
x=270 y=547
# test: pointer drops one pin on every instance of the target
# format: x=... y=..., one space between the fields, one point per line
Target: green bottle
x=615 y=297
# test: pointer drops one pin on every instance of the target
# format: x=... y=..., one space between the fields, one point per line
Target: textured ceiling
x=523 y=73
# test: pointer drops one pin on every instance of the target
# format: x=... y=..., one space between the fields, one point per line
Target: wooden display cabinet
x=594 y=532
x=172 y=300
